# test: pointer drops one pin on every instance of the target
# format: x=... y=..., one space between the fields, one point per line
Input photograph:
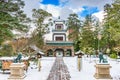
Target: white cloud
x=29 y=5
x=79 y=9
x=60 y=11
x=57 y=11
x=99 y=15
x=64 y=13
x=54 y=10
x=66 y=7
x=93 y=3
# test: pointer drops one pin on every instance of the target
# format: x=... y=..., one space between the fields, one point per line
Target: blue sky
x=87 y=10
x=63 y=8
x=53 y=2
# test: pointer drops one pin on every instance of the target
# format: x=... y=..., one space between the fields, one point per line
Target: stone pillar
x=65 y=51
x=54 y=54
x=72 y=51
x=103 y=71
x=79 y=62
x=17 y=71
x=39 y=64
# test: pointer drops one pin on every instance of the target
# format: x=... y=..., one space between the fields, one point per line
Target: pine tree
x=74 y=25
x=41 y=28
x=11 y=18
x=112 y=23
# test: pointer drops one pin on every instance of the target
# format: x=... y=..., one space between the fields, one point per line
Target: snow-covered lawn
x=87 y=71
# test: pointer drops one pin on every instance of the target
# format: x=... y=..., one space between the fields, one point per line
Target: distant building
x=60 y=44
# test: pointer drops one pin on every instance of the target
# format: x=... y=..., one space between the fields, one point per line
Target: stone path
x=59 y=70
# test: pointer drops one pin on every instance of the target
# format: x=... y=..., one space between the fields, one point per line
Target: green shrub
x=0 y=54
x=113 y=55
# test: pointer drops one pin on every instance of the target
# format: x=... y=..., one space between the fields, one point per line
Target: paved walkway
x=59 y=70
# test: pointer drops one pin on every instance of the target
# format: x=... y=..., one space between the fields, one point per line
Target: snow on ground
x=34 y=74
x=87 y=71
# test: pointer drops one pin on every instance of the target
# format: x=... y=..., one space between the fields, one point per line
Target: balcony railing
x=60 y=43
x=59 y=30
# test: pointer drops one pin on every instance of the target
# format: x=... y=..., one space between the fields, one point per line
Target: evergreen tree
x=11 y=18
x=87 y=37
x=112 y=23
x=74 y=26
x=41 y=28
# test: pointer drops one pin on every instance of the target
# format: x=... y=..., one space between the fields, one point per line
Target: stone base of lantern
x=17 y=71
x=102 y=72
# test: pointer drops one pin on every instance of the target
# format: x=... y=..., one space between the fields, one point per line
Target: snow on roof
x=79 y=52
x=12 y=58
x=34 y=47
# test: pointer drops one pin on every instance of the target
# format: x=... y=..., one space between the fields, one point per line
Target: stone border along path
x=59 y=70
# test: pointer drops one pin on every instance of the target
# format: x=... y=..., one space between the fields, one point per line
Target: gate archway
x=59 y=52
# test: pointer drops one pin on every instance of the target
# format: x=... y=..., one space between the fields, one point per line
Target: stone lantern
x=39 y=55
x=39 y=61
x=80 y=55
x=79 y=60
